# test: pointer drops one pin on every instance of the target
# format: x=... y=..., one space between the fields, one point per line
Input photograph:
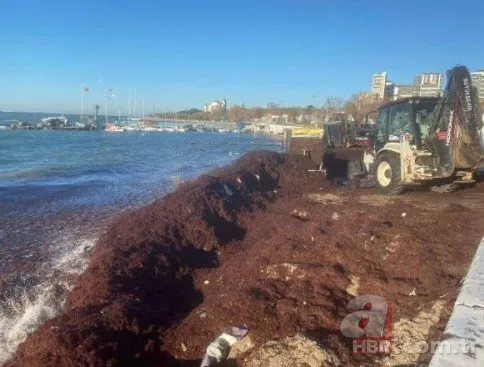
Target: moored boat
x=113 y=128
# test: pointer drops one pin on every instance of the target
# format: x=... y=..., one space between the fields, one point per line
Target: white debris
x=354 y=286
x=183 y=347
x=206 y=282
x=335 y=216
x=392 y=248
x=404 y=215
x=258 y=177
x=239 y=180
x=227 y=189
x=299 y=213
x=218 y=350
x=413 y=293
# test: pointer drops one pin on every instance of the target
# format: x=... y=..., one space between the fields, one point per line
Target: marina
x=112 y=124
x=53 y=123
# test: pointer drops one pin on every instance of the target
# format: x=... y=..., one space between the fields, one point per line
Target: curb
x=463 y=340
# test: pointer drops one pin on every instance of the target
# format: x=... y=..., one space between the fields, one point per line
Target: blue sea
x=59 y=188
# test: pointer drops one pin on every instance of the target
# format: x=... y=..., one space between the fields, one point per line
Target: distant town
x=428 y=84
x=218 y=116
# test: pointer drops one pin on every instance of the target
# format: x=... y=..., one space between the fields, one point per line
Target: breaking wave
x=58 y=189
x=27 y=301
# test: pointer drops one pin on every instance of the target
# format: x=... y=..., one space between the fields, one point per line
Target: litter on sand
x=219 y=349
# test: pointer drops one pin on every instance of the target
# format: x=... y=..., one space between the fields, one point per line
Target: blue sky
x=180 y=54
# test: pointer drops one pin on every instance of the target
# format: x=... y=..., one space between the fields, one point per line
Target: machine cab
x=409 y=117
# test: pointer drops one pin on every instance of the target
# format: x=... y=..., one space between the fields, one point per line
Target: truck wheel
x=388 y=178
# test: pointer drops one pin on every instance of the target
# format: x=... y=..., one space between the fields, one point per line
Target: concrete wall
x=464 y=334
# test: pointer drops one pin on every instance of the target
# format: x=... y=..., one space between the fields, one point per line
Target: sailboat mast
x=134 y=107
x=129 y=104
x=143 y=98
x=106 y=110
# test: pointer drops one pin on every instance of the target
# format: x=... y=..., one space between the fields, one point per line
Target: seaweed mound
x=139 y=282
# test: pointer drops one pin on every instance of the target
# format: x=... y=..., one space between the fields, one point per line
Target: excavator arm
x=456 y=123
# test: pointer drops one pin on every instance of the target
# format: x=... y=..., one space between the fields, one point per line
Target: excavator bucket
x=457 y=125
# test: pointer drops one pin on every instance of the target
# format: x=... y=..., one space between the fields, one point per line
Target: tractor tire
x=388 y=177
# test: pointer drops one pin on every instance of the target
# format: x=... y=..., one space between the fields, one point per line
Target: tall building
x=478 y=82
x=378 y=84
x=428 y=84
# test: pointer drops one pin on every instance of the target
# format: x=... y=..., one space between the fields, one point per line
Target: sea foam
x=28 y=305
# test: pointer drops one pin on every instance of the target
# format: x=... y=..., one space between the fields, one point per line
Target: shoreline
x=240 y=232
x=47 y=209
